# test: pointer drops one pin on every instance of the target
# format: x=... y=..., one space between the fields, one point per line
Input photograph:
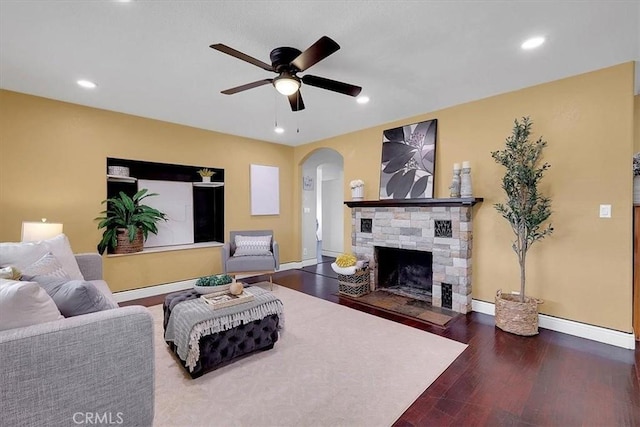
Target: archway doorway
x=322 y=205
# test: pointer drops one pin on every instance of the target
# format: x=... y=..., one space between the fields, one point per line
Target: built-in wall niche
x=195 y=209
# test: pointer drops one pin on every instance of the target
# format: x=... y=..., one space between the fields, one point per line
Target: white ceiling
x=152 y=58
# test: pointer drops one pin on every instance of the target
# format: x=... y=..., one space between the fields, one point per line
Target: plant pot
x=124 y=246
x=206 y=179
x=520 y=318
x=636 y=190
x=203 y=290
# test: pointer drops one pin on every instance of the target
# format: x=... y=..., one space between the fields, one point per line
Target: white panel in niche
x=265 y=190
x=175 y=199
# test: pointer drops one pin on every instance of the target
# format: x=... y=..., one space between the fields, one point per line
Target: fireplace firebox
x=405 y=271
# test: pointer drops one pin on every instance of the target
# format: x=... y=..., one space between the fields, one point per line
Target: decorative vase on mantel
x=206 y=179
x=465 y=180
x=357 y=189
x=357 y=193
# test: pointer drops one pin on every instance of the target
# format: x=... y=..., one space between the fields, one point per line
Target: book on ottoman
x=226 y=299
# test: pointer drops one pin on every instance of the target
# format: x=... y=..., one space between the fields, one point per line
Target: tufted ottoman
x=222 y=347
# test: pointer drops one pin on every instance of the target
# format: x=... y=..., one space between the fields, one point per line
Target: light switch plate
x=605 y=211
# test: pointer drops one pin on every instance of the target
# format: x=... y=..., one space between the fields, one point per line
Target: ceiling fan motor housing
x=281 y=58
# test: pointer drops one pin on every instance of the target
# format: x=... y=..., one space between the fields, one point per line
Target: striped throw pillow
x=252 y=245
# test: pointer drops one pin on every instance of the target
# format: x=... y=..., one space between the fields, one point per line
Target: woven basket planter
x=354 y=285
x=124 y=246
x=520 y=318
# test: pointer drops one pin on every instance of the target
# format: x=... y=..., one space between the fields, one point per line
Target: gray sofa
x=94 y=369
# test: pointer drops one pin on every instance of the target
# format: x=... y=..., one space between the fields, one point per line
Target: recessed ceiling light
x=86 y=84
x=362 y=99
x=278 y=129
x=532 y=43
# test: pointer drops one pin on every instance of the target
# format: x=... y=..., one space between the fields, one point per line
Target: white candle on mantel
x=466 y=165
x=456 y=166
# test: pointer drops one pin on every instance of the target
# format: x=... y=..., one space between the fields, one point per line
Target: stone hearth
x=443 y=227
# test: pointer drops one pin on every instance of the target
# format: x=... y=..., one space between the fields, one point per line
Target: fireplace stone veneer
x=410 y=224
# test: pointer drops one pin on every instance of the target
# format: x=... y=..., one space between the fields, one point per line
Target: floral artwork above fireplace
x=408 y=161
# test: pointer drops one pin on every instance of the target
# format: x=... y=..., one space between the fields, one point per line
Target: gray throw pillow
x=73 y=297
x=252 y=245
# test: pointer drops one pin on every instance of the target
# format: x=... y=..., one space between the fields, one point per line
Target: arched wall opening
x=322 y=223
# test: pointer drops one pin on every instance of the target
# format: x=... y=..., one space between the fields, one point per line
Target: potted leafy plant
x=206 y=174
x=127 y=222
x=527 y=211
x=217 y=282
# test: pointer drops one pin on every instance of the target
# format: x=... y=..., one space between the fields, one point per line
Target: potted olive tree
x=527 y=212
x=127 y=222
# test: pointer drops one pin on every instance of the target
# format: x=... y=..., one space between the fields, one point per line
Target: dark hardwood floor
x=551 y=379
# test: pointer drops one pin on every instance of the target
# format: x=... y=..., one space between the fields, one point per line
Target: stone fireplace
x=434 y=241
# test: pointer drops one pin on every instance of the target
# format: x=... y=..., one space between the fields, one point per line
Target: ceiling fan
x=287 y=62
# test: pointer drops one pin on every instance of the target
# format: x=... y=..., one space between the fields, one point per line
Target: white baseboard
x=291 y=266
x=308 y=262
x=150 y=291
x=570 y=327
x=331 y=253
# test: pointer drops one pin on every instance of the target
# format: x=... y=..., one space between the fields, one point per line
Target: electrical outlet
x=305 y=251
x=605 y=211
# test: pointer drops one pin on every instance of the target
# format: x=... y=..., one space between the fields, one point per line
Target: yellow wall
x=53 y=162
x=583 y=271
x=636 y=121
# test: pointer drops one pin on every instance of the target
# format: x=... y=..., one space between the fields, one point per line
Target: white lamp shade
x=34 y=231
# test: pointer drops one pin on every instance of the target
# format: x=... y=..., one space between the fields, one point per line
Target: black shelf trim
x=452 y=201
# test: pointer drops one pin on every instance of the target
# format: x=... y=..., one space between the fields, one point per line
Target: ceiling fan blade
x=296 y=102
x=246 y=87
x=333 y=85
x=316 y=53
x=237 y=54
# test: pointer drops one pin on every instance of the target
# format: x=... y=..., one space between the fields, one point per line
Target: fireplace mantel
x=460 y=201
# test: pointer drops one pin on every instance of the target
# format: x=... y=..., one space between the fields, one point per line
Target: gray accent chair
x=74 y=371
x=250 y=265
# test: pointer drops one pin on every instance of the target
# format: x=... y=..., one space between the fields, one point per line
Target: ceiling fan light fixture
x=286 y=84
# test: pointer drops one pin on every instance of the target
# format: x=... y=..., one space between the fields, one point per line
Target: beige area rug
x=332 y=366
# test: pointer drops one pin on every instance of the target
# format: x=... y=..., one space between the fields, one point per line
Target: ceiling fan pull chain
x=275 y=110
x=297 y=118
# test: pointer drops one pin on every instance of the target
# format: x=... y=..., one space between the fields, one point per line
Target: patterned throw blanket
x=193 y=319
